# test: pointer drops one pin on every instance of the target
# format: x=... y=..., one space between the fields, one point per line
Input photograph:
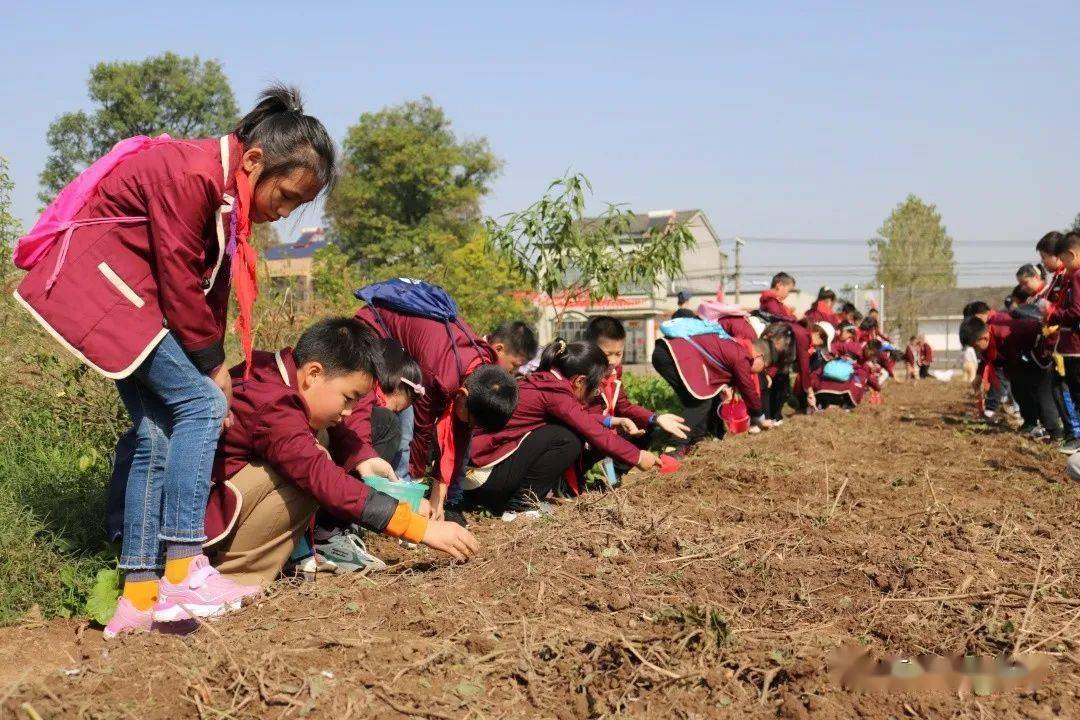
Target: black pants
x=701 y=416
x=1033 y=391
x=777 y=394
x=924 y=371
x=530 y=473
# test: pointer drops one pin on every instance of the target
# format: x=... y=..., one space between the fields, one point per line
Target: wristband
x=607 y=421
x=652 y=419
x=406 y=524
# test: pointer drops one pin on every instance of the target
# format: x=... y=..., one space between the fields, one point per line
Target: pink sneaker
x=203 y=593
x=127 y=619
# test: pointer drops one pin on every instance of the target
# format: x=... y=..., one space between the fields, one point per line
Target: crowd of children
x=230 y=475
x=1026 y=353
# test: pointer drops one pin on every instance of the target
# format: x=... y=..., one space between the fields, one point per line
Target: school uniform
x=926 y=358
x=611 y=402
x=273 y=472
x=738 y=327
x=821 y=313
x=543 y=438
x=770 y=303
x=697 y=379
x=842 y=393
x=1066 y=315
x=445 y=361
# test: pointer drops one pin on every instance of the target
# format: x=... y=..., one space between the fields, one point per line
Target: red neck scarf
x=244 y=270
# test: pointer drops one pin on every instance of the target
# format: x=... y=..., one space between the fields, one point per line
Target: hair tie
x=560 y=347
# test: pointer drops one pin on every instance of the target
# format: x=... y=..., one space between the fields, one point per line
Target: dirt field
x=720 y=591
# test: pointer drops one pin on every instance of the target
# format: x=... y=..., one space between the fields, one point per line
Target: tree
x=10 y=228
x=1075 y=227
x=183 y=96
x=913 y=252
x=567 y=257
x=410 y=190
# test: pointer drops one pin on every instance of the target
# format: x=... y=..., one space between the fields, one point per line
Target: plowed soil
x=720 y=591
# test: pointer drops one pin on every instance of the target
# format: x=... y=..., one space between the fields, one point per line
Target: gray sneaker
x=349 y=553
x=1069 y=446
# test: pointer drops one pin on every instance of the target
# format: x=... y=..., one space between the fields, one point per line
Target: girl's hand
x=438 y=500
x=627 y=426
x=223 y=380
x=450 y=538
x=673 y=425
x=647 y=461
x=377 y=467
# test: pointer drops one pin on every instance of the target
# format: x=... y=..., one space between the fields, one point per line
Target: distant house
x=643 y=308
x=941 y=312
x=292 y=264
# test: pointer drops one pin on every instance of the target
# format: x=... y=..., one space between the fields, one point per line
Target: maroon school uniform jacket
x=850 y=349
x=772 y=304
x=803 y=351
x=1066 y=314
x=737 y=326
x=270 y=425
x=1015 y=342
x=123 y=287
x=703 y=379
x=544 y=398
x=611 y=401
x=926 y=354
x=862 y=377
x=444 y=362
x=820 y=313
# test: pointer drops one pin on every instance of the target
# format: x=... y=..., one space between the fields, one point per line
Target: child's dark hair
x=1028 y=271
x=493 y=397
x=782 y=278
x=971 y=329
x=765 y=349
x=518 y=338
x=782 y=340
x=845 y=307
x=976 y=307
x=1048 y=243
x=872 y=347
x=913 y=338
x=397 y=364
x=341 y=345
x=288 y=138
x=1070 y=242
x=868 y=323
x=605 y=327
x=856 y=316
x=576 y=358
x=1020 y=295
x=826 y=293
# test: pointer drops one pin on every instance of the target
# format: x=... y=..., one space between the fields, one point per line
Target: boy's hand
x=627 y=426
x=438 y=500
x=673 y=425
x=223 y=380
x=726 y=394
x=646 y=461
x=451 y=539
x=377 y=467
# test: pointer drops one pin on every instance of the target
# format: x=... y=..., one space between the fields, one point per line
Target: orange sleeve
x=406 y=524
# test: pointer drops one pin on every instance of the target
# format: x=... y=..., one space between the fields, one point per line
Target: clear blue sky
x=798 y=120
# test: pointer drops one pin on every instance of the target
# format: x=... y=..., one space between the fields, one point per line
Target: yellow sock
x=176 y=570
x=141 y=593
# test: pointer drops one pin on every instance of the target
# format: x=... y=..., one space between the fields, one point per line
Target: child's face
x=1070 y=259
x=580 y=383
x=817 y=339
x=1050 y=261
x=508 y=361
x=330 y=398
x=982 y=343
x=613 y=349
x=276 y=196
x=783 y=290
x=757 y=365
x=398 y=400
x=844 y=335
x=1031 y=283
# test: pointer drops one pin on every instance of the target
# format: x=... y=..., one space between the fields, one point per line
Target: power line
x=866 y=242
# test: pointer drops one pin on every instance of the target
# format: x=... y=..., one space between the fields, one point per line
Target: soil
x=720 y=591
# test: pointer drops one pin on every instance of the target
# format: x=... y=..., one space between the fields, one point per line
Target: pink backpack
x=58 y=221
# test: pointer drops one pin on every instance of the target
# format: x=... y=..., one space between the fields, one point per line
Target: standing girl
x=138 y=288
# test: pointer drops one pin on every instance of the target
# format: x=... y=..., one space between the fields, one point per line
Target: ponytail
x=288 y=138
x=826 y=293
x=576 y=358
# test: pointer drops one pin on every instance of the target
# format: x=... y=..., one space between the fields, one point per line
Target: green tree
x=182 y=96
x=913 y=253
x=1075 y=227
x=567 y=257
x=487 y=291
x=10 y=228
x=410 y=190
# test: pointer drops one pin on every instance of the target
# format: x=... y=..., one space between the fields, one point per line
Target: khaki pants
x=273 y=516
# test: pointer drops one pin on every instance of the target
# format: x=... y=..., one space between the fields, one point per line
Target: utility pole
x=738 y=270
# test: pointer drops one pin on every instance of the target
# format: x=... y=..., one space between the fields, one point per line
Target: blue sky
x=781 y=120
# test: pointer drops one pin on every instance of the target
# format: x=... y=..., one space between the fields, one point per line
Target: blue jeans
x=176 y=412
x=407 y=419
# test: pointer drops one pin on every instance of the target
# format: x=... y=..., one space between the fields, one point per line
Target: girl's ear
x=252 y=161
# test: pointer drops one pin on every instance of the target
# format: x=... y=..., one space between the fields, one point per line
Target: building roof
x=948 y=302
x=311 y=241
x=642 y=223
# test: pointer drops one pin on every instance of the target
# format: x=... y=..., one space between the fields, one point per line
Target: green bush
x=650 y=391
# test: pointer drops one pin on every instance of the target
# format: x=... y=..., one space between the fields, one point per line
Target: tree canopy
x=10 y=228
x=182 y=96
x=913 y=252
